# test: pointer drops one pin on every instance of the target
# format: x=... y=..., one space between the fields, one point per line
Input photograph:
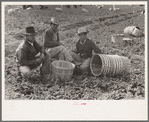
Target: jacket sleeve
x=48 y=42
x=95 y=48
x=75 y=49
x=22 y=58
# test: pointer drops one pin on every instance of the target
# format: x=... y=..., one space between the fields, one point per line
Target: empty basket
x=62 y=70
x=109 y=65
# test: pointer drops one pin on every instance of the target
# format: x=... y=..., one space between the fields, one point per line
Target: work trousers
x=44 y=68
x=60 y=52
x=84 y=63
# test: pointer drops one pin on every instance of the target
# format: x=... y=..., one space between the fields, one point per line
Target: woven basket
x=109 y=65
x=62 y=70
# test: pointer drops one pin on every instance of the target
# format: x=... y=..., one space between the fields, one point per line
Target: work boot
x=85 y=71
x=77 y=70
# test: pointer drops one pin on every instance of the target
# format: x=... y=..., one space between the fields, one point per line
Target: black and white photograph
x=75 y=52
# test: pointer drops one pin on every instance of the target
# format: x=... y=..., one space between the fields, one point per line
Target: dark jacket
x=26 y=54
x=86 y=49
x=48 y=39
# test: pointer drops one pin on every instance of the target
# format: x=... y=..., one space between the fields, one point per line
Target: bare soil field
x=102 y=23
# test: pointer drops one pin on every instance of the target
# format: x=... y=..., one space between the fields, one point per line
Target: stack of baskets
x=62 y=70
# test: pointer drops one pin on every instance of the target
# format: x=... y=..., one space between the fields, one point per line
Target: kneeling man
x=30 y=54
x=83 y=50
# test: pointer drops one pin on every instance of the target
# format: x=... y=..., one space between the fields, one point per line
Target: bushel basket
x=62 y=70
x=109 y=65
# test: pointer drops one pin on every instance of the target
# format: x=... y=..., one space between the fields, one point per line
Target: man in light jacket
x=52 y=43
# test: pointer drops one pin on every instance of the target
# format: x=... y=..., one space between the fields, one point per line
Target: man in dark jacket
x=30 y=54
x=84 y=48
x=52 y=44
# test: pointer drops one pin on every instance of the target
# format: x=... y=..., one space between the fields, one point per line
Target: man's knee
x=75 y=56
x=85 y=65
x=61 y=48
x=25 y=71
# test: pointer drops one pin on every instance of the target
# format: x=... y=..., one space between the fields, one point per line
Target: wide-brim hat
x=30 y=31
x=82 y=30
x=54 y=21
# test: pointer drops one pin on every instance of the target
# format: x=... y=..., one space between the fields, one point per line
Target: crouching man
x=83 y=50
x=52 y=43
x=30 y=54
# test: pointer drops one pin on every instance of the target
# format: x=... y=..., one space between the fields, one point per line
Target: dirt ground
x=102 y=23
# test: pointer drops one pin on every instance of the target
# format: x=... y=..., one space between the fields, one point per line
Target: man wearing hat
x=52 y=43
x=84 y=48
x=30 y=54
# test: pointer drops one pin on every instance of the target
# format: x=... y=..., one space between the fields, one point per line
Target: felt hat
x=54 y=21
x=30 y=31
x=82 y=30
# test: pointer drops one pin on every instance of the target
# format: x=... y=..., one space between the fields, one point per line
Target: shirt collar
x=83 y=42
x=30 y=43
x=51 y=30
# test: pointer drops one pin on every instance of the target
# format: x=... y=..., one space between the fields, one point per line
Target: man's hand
x=37 y=55
x=38 y=60
x=46 y=51
x=42 y=56
x=74 y=50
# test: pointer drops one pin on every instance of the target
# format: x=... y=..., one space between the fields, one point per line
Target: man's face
x=82 y=36
x=54 y=26
x=30 y=38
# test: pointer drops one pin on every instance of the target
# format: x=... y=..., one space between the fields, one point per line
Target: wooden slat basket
x=109 y=65
x=62 y=70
